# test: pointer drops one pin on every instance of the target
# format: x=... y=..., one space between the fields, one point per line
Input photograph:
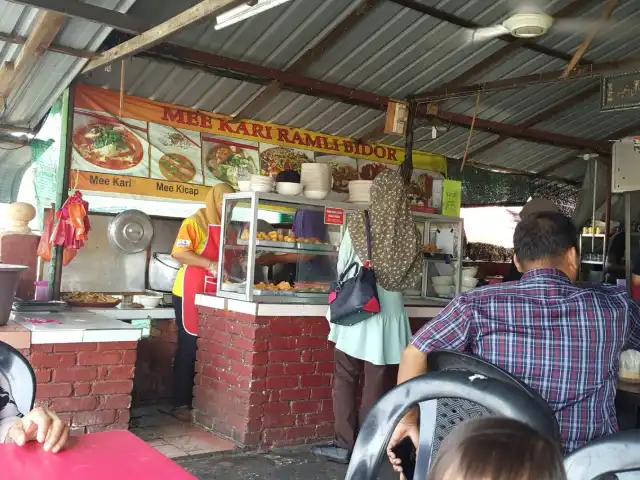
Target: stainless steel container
x=163 y=269
x=9 y=279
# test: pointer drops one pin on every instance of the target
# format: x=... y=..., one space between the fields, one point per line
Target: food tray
x=269 y=243
x=93 y=304
x=272 y=293
x=316 y=246
x=38 y=306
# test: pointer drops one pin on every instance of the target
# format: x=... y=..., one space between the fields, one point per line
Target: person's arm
x=449 y=330
x=633 y=341
x=635 y=270
x=9 y=414
x=187 y=241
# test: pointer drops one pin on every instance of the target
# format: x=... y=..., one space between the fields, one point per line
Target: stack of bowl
x=445 y=285
x=469 y=280
x=261 y=184
x=360 y=191
x=316 y=179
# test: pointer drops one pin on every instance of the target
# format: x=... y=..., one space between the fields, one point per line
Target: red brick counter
x=87 y=384
x=265 y=381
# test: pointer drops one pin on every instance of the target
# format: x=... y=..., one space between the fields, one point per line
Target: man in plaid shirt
x=562 y=339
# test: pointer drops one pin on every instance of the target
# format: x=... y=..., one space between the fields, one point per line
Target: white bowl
x=316 y=194
x=233 y=287
x=469 y=271
x=261 y=188
x=244 y=185
x=149 y=301
x=469 y=282
x=444 y=280
x=289 y=188
x=443 y=290
x=261 y=179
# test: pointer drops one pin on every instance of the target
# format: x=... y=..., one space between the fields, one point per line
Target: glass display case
x=280 y=249
x=441 y=277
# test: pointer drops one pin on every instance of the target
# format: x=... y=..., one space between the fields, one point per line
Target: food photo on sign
x=228 y=160
x=369 y=170
x=275 y=159
x=107 y=144
x=343 y=170
x=176 y=154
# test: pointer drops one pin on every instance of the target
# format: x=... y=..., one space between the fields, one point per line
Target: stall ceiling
x=29 y=102
x=395 y=51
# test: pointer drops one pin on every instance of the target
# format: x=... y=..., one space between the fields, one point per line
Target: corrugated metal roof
x=30 y=101
x=396 y=51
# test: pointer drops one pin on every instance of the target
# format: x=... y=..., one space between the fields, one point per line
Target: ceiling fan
x=529 y=20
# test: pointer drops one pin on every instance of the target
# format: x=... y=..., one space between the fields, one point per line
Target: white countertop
x=132 y=313
x=292 y=309
x=75 y=327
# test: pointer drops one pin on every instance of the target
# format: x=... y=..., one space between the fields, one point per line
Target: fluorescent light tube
x=243 y=12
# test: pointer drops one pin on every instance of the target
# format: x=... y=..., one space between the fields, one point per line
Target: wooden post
x=406 y=169
x=62 y=190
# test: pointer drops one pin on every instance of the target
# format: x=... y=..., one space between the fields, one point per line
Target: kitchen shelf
x=593 y=262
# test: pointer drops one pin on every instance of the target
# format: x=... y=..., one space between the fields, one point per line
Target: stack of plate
x=316 y=177
x=261 y=184
x=360 y=191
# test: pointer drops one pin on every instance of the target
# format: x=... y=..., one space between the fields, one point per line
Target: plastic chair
x=17 y=377
x=497 y=396
x=613 y=454
x=439 y=417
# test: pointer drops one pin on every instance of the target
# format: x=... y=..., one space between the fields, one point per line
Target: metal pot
x=163 y=269
x=9 y=280
x=131 y=231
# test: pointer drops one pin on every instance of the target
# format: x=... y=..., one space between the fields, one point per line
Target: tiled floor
x=174 y=437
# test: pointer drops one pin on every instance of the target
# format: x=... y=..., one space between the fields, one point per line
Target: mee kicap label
x=104 y=182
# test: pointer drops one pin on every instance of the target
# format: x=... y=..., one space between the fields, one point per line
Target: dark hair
x=497 y=448
x=544 y=235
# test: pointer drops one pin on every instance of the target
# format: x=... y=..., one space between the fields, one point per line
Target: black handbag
x=355 y=299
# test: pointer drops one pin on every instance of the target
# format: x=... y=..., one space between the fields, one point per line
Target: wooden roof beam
x=103 y=16
x=53 y=47
x=44 y=30
x=308 y=57
x=263 y=75
x=584 y=71
x=543 y=116
x=523 y=133
x=157 y=34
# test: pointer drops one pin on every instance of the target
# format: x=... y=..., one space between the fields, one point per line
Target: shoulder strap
x=367 y=230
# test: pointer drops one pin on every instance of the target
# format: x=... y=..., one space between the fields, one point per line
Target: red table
x=115 y=455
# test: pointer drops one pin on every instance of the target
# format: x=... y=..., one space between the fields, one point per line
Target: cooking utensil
x=39 y=306
x=163 y=269
x=131 y=231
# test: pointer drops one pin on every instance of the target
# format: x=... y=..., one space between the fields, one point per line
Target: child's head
x=497 y=448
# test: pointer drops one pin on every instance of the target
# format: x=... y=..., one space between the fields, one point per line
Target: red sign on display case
x=333 y=216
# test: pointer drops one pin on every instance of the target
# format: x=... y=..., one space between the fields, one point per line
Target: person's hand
x=42 y=425
x=213 y=269
x=266 y=260
x=406 y=428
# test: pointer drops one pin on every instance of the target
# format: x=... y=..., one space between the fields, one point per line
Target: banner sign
x=160 y=150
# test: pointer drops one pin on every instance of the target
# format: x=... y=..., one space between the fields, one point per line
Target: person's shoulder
x=604 y=288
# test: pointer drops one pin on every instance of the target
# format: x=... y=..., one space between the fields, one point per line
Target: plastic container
x=42 y=290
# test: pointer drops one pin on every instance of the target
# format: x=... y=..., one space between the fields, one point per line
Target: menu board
x=153 y=149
